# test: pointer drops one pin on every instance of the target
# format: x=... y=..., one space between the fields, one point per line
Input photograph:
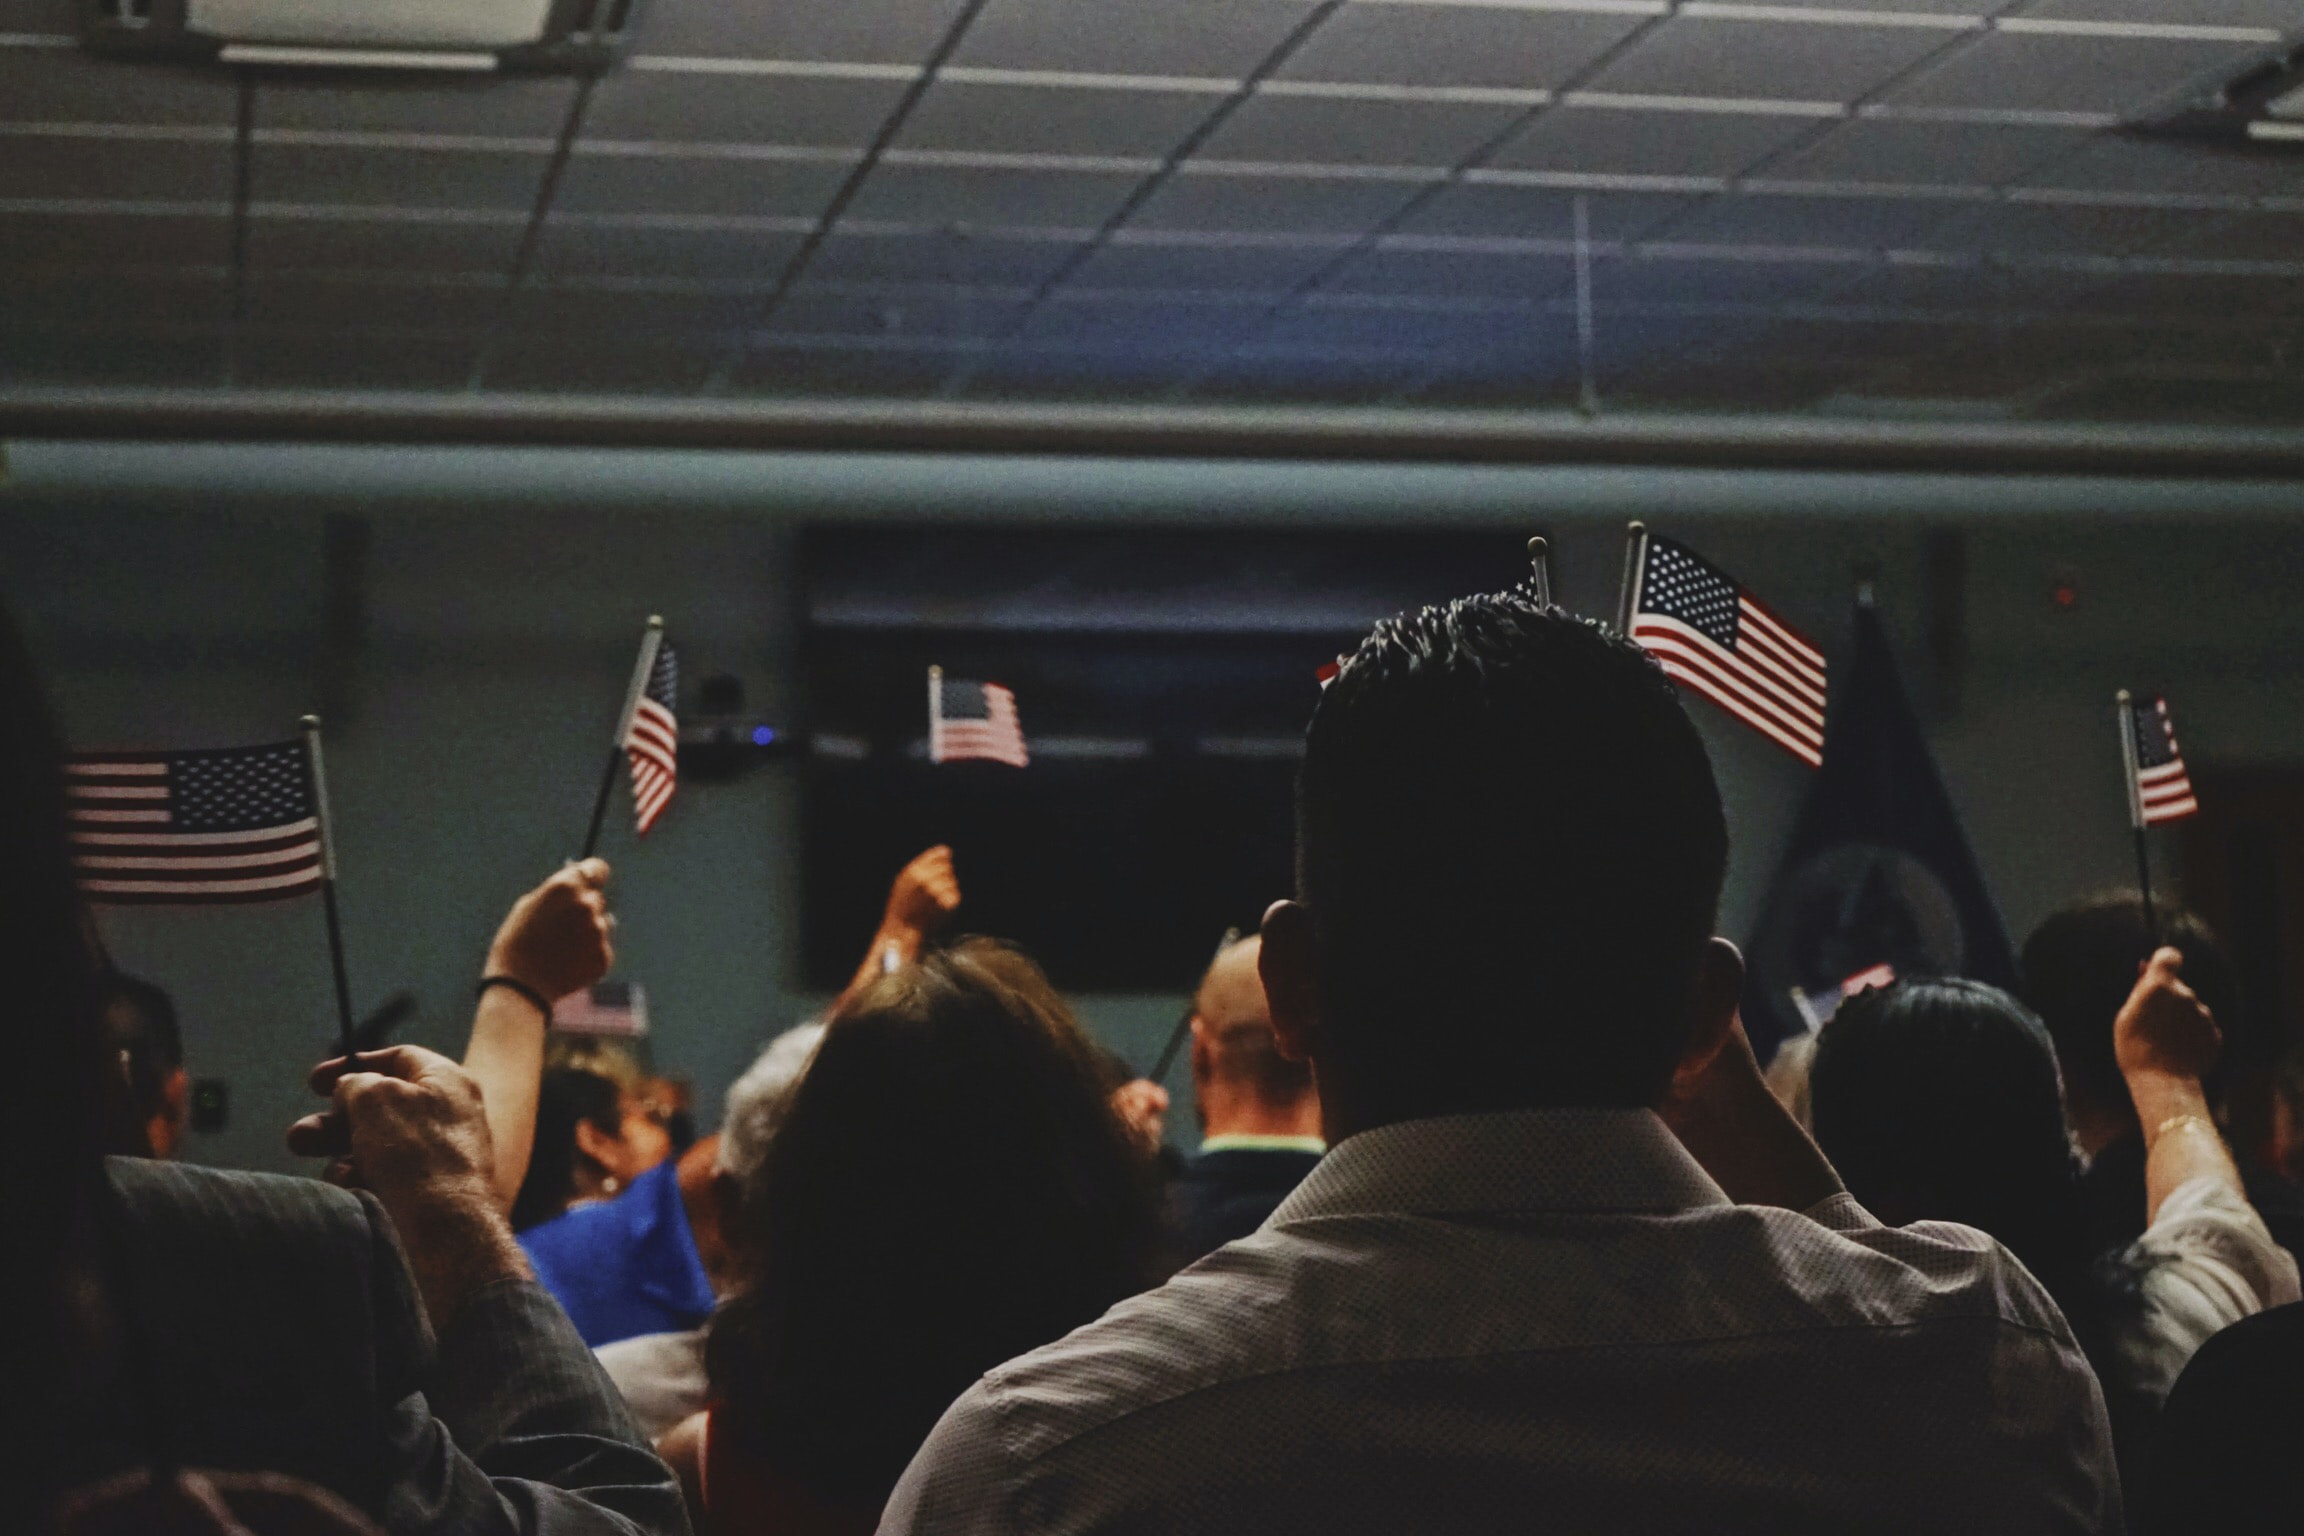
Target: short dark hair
x=2080 y=965
x=1512 y=846
x=565 y=1097
x=948 y=1189
x=140 y=1027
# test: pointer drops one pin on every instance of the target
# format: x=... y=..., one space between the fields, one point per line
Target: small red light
x=2066 y=595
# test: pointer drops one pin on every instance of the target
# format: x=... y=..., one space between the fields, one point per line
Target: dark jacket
x=1222 y=1196
x=272 y=1324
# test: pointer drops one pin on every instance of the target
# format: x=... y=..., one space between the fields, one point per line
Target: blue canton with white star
x=239 y=790
x=1680 y=586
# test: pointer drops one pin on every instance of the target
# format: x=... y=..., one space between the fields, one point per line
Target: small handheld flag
x=166 y=828
x=1715 y=638
x=973 y=720
x=2158 y=787
x=647 y=738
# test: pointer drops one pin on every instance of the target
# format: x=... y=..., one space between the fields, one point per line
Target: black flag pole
x=651 y=641
x=318 y=774
x=1540 y=571
x=1635 y=564
x=1159 y=1072
x=2136 y=822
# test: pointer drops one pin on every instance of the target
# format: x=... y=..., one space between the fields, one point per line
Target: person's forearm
x=2181 y=1142
x=506 y=1054
x=892 y=948
x=457 y=1248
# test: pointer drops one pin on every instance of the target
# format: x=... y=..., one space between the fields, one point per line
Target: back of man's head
x=1512 y=846
x=1237 y=1054
x=2081 y=963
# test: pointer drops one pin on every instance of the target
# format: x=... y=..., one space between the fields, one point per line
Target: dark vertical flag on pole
x=2159 y=788
x=1878 y=879
x=647 y=738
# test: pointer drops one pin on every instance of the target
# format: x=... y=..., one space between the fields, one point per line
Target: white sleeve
x=2207 y=1262
x=960 y=1482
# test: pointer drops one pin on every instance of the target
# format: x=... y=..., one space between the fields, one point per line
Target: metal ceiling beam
x=1347 y=434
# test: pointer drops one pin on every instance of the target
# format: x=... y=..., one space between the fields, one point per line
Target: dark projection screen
x=1163 y=680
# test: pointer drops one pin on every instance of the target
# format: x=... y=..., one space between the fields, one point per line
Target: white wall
x=174 y=595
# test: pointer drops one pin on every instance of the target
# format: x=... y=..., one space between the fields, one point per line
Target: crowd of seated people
x=1494 y=1220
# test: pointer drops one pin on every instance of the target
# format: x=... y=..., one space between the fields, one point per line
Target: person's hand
x=924 y=896
x=556 y=939
x=409 y=1125
x=2164 y=1030
x=1141 y=1106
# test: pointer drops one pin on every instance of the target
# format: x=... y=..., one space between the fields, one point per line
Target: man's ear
x=1288 y=964
x=601 y=1147
x=1719 y=995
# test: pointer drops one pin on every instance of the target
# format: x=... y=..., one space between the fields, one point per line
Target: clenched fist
x=924 y=896
x=2164 y=1029
x=557 y=937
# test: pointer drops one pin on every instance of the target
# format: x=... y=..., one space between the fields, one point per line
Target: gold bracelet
x=2174 y=1121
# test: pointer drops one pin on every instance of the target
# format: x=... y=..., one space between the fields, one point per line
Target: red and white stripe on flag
x=973 y=720
x=653 y=746
x=1712 y=636
x=178 y=828
x=2163 y=787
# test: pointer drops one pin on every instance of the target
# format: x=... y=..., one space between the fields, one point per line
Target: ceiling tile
x=2280 y=14
x=500 y=106
x=1871 y=150
x=1288 y=380
x=958 y=195
x=1541 y=212
x=662 y=184
x=113 y=239
x=585 y=246
x=385 y=243
x=1017 y=119
x=785 y=369
x=322 y=175
x=1048 y=372
x=98 y=356
x=1334 y=320
x=1840 y=223
x=45 y=167
x=1267 y=269
x=2236 y=237
x=1332 y=132
x=897 y=312
x=1150 y=321
x=1629 y=143
x=947 y=256
x=1392 y=269
x=1710 y=56
x=312 y=300
x=1646 y=278
x=1457 y=46
x=2034 y=228
x=601 y=364
x=853 y=31
x=2062 y=73
x=1222 y=38
x=90 y=295
x=2216 y=295
x=637 y=306
x=1191 y=200
x=2111 y=163
x=750 y=109
x=356 y=361
x=65 y=85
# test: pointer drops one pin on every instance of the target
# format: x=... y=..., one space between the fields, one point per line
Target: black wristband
x=509 y=984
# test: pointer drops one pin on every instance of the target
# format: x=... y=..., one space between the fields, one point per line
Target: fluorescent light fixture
x=287 y=57
x=2265 y=131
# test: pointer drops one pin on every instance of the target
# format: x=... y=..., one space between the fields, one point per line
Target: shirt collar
x=1242 y=1141
x=1495 y=1164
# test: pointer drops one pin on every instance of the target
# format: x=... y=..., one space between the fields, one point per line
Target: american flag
x=2163 y=789
x=652 y=741
x=1714 y=637
x=973 y=720
x=234 y=824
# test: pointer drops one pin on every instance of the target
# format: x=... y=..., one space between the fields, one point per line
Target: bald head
x=1242 y=1081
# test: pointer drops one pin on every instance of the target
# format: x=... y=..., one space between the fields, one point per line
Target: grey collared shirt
x=1550 y=1321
